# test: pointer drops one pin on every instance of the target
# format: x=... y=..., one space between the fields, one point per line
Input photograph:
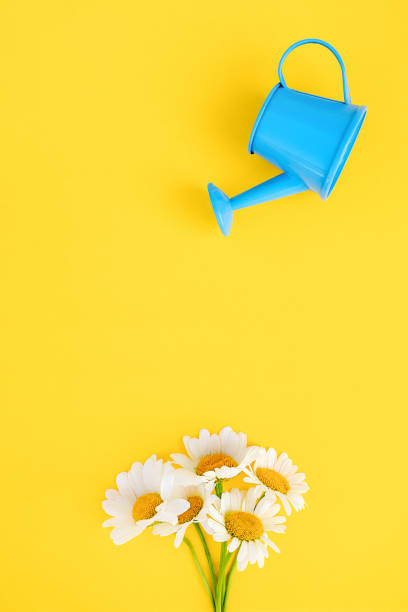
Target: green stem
x=218 y=488
x=228 y=584
x=218 y=591
x=219 y=596
x=200 y=569
x=223 y=583
x=224 y=560
x=207 y=554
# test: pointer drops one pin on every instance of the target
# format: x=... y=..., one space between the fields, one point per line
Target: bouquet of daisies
x=171 y=499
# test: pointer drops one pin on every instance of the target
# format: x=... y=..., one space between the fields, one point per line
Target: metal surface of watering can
x=306 y=136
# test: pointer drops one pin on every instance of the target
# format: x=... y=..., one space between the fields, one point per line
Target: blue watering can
x=306 y=136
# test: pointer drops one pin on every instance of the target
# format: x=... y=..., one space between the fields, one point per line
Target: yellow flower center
x=209 y=462
x=243 y=525
x=273 y=480
x=196 y=503
x=145 y=506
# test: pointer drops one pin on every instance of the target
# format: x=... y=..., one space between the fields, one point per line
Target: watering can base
x=222 y=208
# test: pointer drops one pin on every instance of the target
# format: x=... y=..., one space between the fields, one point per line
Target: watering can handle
x=317 y=41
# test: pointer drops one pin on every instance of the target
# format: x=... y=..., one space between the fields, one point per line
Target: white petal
x=164 y=529
x=178 y=506
x=113 y=508
x=215 y=526
x=235 y=499
x=285 y=503
x=216 y=502
x=281 y=460
x=242 y=443
x=300 y=488
x=183 y=460
x=271 y=544
x=186 y=478
x=285 y=466
x=204 y=524
x=233 y=545
x=248 y=504
x=120 y=521
x=235 y=449
x=262 y=553
x=264 y=505
x=124 y=488
x=288 y=473
x=215 y=514
x=252 y=552
x=112 y=494
x=271 y=456
x=224 y=439
x=208 y=478
x=204 y=443
x=291 y=472
x=277 y=528
x=143 y=523
x=219 y=533
x=180 y=535
x=248 y=457
x=226 y=472
x=111 y=522
x=158 y=468
x=251 y=480
x=136 y=479
x=269 y=524
x=274 y=509
x=167 y=480
x=277 y=520
x=148 y=473
x=214 y=444
x=168 y=511
x=221 y=537
x=260 y=457
x=297 y=501
x=123 y=535
x=242 y=559
x=186 y=442
x=194 y=446
x=225 y=503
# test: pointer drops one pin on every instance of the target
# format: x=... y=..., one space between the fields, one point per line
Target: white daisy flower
x=213 y=457
x=145 y=496
x=242 y=519
x=278 y=475
x=199 y=499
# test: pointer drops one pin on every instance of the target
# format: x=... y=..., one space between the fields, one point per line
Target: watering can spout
x=284 y=184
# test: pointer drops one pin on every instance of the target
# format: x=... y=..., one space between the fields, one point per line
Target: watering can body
x=308 y=137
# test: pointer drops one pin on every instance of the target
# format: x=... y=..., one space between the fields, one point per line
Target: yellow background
x=128 y=320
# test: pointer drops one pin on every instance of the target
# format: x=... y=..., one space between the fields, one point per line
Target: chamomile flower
x=199 y=499
x=242 y=519
x=145 y=496
x=278 y=476
x=213 y=457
